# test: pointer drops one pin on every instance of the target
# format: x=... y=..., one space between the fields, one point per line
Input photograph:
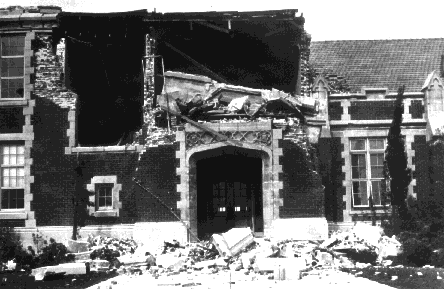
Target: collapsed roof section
x=105 y=51
x=254 y=49
x=203 y=99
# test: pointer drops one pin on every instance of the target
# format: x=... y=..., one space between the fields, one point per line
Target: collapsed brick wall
x=53 y=171
x=150 y=134
x=49 y=72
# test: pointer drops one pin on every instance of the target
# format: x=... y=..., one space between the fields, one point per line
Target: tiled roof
x=379 y=63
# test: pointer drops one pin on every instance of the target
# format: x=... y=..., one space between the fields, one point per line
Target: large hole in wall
x=103 y=65
x=109 y=84
x=257 y=54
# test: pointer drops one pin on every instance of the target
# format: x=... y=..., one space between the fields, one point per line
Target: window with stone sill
x=12 y=69
x=367 y=164
x=106 y=196
x=12 y=178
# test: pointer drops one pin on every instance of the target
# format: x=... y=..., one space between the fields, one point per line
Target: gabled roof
x=379 y=63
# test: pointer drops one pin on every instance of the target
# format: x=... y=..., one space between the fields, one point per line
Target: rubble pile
x=265 y=258
x=274 y=104
x=200 y=99
x=117 y=246
x=240 y=255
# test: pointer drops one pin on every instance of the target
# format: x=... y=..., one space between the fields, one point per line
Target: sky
x=324 y=20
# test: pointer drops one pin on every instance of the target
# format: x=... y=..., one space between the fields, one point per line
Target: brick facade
x=296 y=182
x=300 y=184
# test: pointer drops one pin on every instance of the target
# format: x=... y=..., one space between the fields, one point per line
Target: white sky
x=324 y=19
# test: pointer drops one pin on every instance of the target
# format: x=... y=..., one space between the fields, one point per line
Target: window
x=230 y=194
x=12 y=66
x=367 y=164
x=104 y=196
x=12 y=177
x=220 y=197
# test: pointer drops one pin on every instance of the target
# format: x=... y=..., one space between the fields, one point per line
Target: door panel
x=232 y=204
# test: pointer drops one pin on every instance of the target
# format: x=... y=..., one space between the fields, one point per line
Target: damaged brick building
x=206 y=121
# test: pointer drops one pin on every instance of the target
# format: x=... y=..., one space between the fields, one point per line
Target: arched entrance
x=257 y=155
x=228 y=190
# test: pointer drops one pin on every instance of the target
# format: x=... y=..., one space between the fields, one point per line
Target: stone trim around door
x=268 y=150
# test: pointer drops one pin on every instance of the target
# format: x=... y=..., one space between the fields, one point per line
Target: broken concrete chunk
x=247 y=259
x=325 y=258
x=168 y=103
x=289 y=269
x=68 y=269
x=388 y=247
x=236 y=266
x=82 y=256
x=237 y=104
x=220 y=262
x=39 y=273
x=196 y=100
x=75 y=246
x=150 y=260
x=272 y=264
x=232 y=242
x=368 y=233
x=168 y=260
x=205 y=264
x=308 y=102
x=100 y=265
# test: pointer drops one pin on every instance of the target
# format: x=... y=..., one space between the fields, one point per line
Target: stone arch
x=271 y=185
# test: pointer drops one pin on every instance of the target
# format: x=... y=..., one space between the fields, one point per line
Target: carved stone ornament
x=195 y=139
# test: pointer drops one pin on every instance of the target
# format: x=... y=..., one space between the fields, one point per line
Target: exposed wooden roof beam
x=218 y=28
x=274 y=32
x=213 y=74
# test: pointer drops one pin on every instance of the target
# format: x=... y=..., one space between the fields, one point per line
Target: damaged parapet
x=188 y=97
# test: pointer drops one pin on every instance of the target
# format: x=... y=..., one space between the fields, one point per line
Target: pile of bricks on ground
x=236 y=254
x=263 y=258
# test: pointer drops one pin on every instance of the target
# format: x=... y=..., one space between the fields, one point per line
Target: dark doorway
x=229 y=191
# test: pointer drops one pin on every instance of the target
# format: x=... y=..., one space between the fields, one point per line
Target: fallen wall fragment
x=232 y=242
